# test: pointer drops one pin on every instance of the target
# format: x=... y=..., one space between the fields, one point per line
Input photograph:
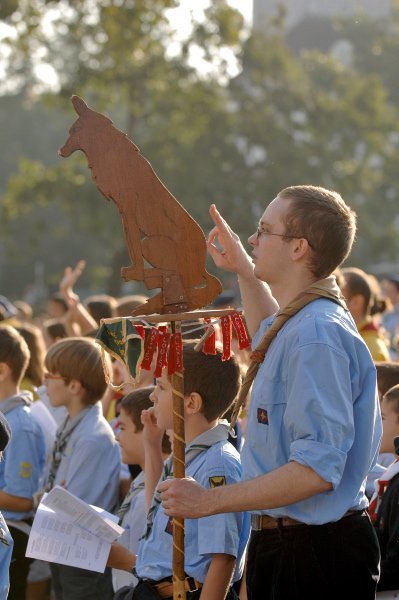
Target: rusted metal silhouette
x=166 y=245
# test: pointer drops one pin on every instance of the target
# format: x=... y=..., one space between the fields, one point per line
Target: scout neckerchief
x=380 y=487
x=22 y=399
x=198 y=445
x=61 y=439
x=324 y=288
x=136 y=487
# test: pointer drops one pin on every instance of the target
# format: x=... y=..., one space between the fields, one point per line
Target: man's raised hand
x=230 y=255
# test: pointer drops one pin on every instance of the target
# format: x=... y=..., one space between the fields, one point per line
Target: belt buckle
x=192 y=586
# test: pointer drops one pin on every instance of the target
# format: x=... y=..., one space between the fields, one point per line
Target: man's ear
x=300 y=249
x=193 y=403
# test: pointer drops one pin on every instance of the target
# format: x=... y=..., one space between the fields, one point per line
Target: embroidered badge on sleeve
x=25 y=470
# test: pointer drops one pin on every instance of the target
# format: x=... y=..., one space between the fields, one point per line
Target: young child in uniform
x=132 y=512
x=23 y=461
x=214 y=546
x=6 y=541
x=86 y=456
x=384 y=505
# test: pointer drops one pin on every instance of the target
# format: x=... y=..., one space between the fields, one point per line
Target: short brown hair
x=387 y=375
x=392 y=395
x=14 y=352
x=137 y=401
x=323 y=218
x=79 y=358
x=216 y=381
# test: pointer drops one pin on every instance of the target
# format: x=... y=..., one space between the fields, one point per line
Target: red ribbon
x=150 y=347
x=161 y=330
x=225 y=324
x=242 y=336
x=175 y=356
x=209 y=346
x=162 y=358
x=140 y=330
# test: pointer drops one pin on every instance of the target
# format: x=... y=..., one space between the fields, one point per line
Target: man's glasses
x=260 y=232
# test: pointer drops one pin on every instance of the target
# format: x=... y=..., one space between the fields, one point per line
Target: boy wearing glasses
x=86 y=457
x=23 y=460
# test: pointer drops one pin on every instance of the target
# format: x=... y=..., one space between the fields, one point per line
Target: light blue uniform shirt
x=314 y=401
x=6 y=546
x=217 y=534
x=91 y=463
x=23 y=459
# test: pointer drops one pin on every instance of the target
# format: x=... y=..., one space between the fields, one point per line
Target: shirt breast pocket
x=266 y=413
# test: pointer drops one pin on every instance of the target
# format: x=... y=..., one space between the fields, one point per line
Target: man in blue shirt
x=314 y=425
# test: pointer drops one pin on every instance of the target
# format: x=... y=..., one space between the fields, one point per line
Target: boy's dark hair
x=55 y=328
x=101 y=306
x=216 y=381
x=137 y=401
x=58 y=298
x=79 y=358
x=392 y=396
x=14 y=352
x=323 y=218
x=387 y=375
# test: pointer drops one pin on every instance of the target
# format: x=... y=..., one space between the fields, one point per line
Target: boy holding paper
x=86 y=457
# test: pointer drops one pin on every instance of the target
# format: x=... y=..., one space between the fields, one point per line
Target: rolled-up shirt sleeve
x=320 y=418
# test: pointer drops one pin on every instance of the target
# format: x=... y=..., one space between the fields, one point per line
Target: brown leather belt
x=259 y=522
x=165 y=588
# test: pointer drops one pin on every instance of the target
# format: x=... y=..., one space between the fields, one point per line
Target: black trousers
x=312 y=562
x=19 y=566
x=72 y=583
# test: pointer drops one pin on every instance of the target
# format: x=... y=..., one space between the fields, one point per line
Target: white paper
x=95 y=520
x=68 y=531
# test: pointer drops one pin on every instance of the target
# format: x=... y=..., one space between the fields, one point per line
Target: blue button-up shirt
x=314 y=401
x=23 y=459
x=90 y=462
x=216 y=534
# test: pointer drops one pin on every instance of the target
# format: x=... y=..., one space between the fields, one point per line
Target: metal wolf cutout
x=166 y=245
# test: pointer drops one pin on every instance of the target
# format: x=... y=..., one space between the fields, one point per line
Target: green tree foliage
x=285 y=120
x=375 y=47
x=118 y=56
x=310 y=119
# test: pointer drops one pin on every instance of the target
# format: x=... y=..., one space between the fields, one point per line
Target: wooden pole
x=179 y=447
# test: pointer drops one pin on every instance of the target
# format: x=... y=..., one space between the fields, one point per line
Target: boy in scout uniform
x=86 y=457
x=214 y=547
x=24 y=458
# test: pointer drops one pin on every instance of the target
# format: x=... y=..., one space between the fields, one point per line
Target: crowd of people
x=300 y=502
